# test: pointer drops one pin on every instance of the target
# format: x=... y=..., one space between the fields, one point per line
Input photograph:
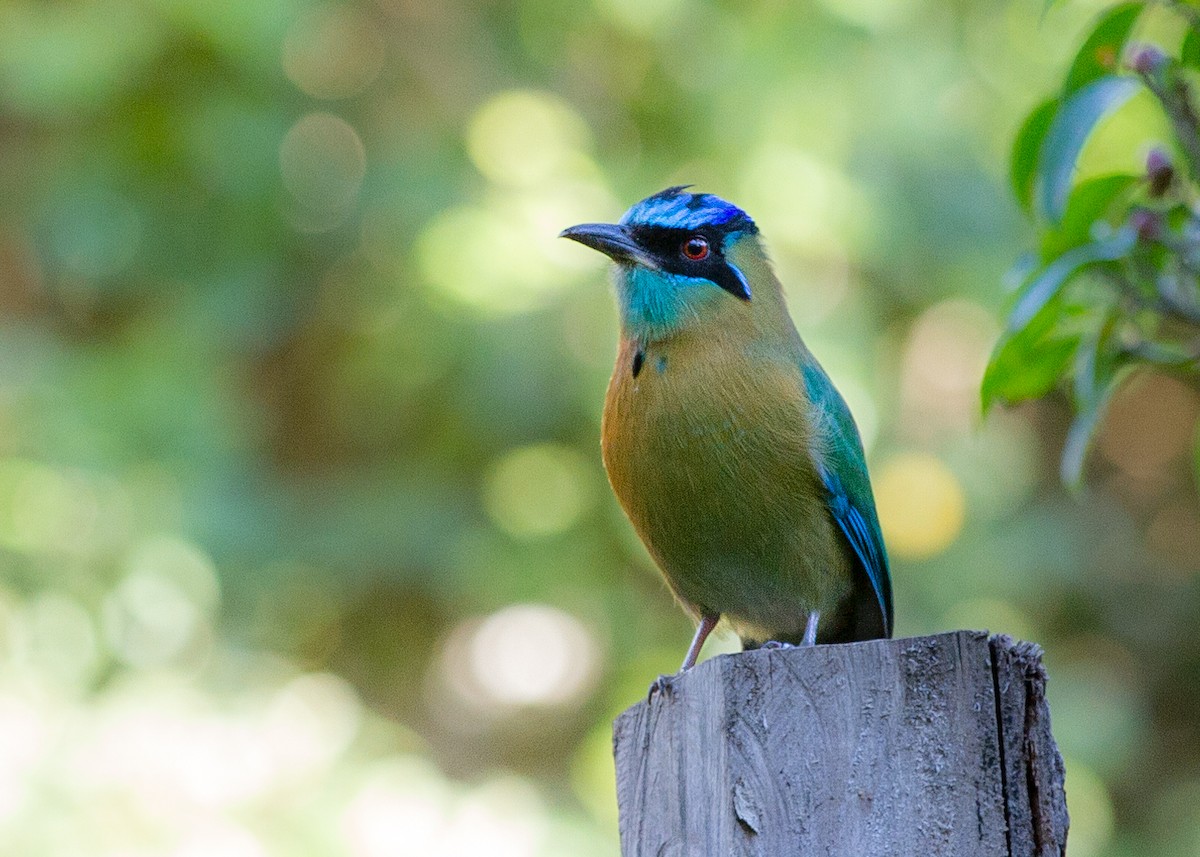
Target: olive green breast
x=707 y=448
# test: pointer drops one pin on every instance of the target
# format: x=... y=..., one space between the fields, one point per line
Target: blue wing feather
x=842 y=467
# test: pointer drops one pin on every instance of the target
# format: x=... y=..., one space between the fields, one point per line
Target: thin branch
x=1173 y=303
x=1154 y=352
x=1162 y=78
x=1126 y=289
x=1164 y=303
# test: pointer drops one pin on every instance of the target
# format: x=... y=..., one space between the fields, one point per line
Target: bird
x=729 y=449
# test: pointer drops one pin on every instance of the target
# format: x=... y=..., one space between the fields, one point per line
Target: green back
x=843 y=470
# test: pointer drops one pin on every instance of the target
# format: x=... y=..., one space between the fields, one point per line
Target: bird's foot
x=777 y=644
x=664 y=686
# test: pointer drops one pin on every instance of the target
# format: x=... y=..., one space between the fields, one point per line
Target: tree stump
x=906 y=748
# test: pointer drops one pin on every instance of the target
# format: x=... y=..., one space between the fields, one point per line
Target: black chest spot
x=639 y=359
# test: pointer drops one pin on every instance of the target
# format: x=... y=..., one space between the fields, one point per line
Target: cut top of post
x=934 y=745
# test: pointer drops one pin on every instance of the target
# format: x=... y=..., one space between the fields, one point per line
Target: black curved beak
x=613 y=240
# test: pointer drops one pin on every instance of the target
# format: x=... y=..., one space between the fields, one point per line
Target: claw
x=664 y=685
x=777 y=644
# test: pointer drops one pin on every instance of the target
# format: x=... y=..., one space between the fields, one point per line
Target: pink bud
x=1147 y=224
x=1146 y=59
x=1159 y=171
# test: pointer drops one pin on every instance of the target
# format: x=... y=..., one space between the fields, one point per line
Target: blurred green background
x=305 y=545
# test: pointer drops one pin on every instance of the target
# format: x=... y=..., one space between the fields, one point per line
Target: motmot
x=731 y=452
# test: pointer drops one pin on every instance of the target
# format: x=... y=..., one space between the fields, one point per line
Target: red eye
x=696 y=248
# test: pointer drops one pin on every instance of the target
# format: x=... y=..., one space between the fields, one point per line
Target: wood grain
x=923 y=746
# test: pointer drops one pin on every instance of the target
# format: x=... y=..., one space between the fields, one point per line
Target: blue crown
x=675 y=208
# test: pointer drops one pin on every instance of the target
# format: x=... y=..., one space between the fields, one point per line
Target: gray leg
x=708 y=621
x=662 y=684
x=810 y=629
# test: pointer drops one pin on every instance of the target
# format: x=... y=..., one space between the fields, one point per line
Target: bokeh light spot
x=163 y=747
x=400 y=811
x=148 y=619
x=803 y=202
x=323 y=162
x=942 y=367
x=407 y=809
x=921 y=505
x=504 y=818
x=310 y=723
x=1149 y=424
x=504 y=256
x=538 y=490
x=480 y=259
x=522 y=137
x=524 y=655
x=59 y=640
x=182 y=563
x=333 y=52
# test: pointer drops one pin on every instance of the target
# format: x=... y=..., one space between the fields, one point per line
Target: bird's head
x=679 y=256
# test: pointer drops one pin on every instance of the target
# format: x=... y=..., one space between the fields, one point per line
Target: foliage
x=1115 y=282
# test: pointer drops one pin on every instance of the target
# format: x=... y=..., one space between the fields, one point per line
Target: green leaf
x=1098 y=363
x=1081 y=433
x=1037 y=348
x=1189 y=54
x=1096 y=360
x=1089 y=202
x=1047 y=283
x=1068 y=132
x=1101 y=53
x=1026 y=365
x=1173 y=355
x=1023 y=162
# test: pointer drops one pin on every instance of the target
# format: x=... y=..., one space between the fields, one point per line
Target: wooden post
x=890 y=748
